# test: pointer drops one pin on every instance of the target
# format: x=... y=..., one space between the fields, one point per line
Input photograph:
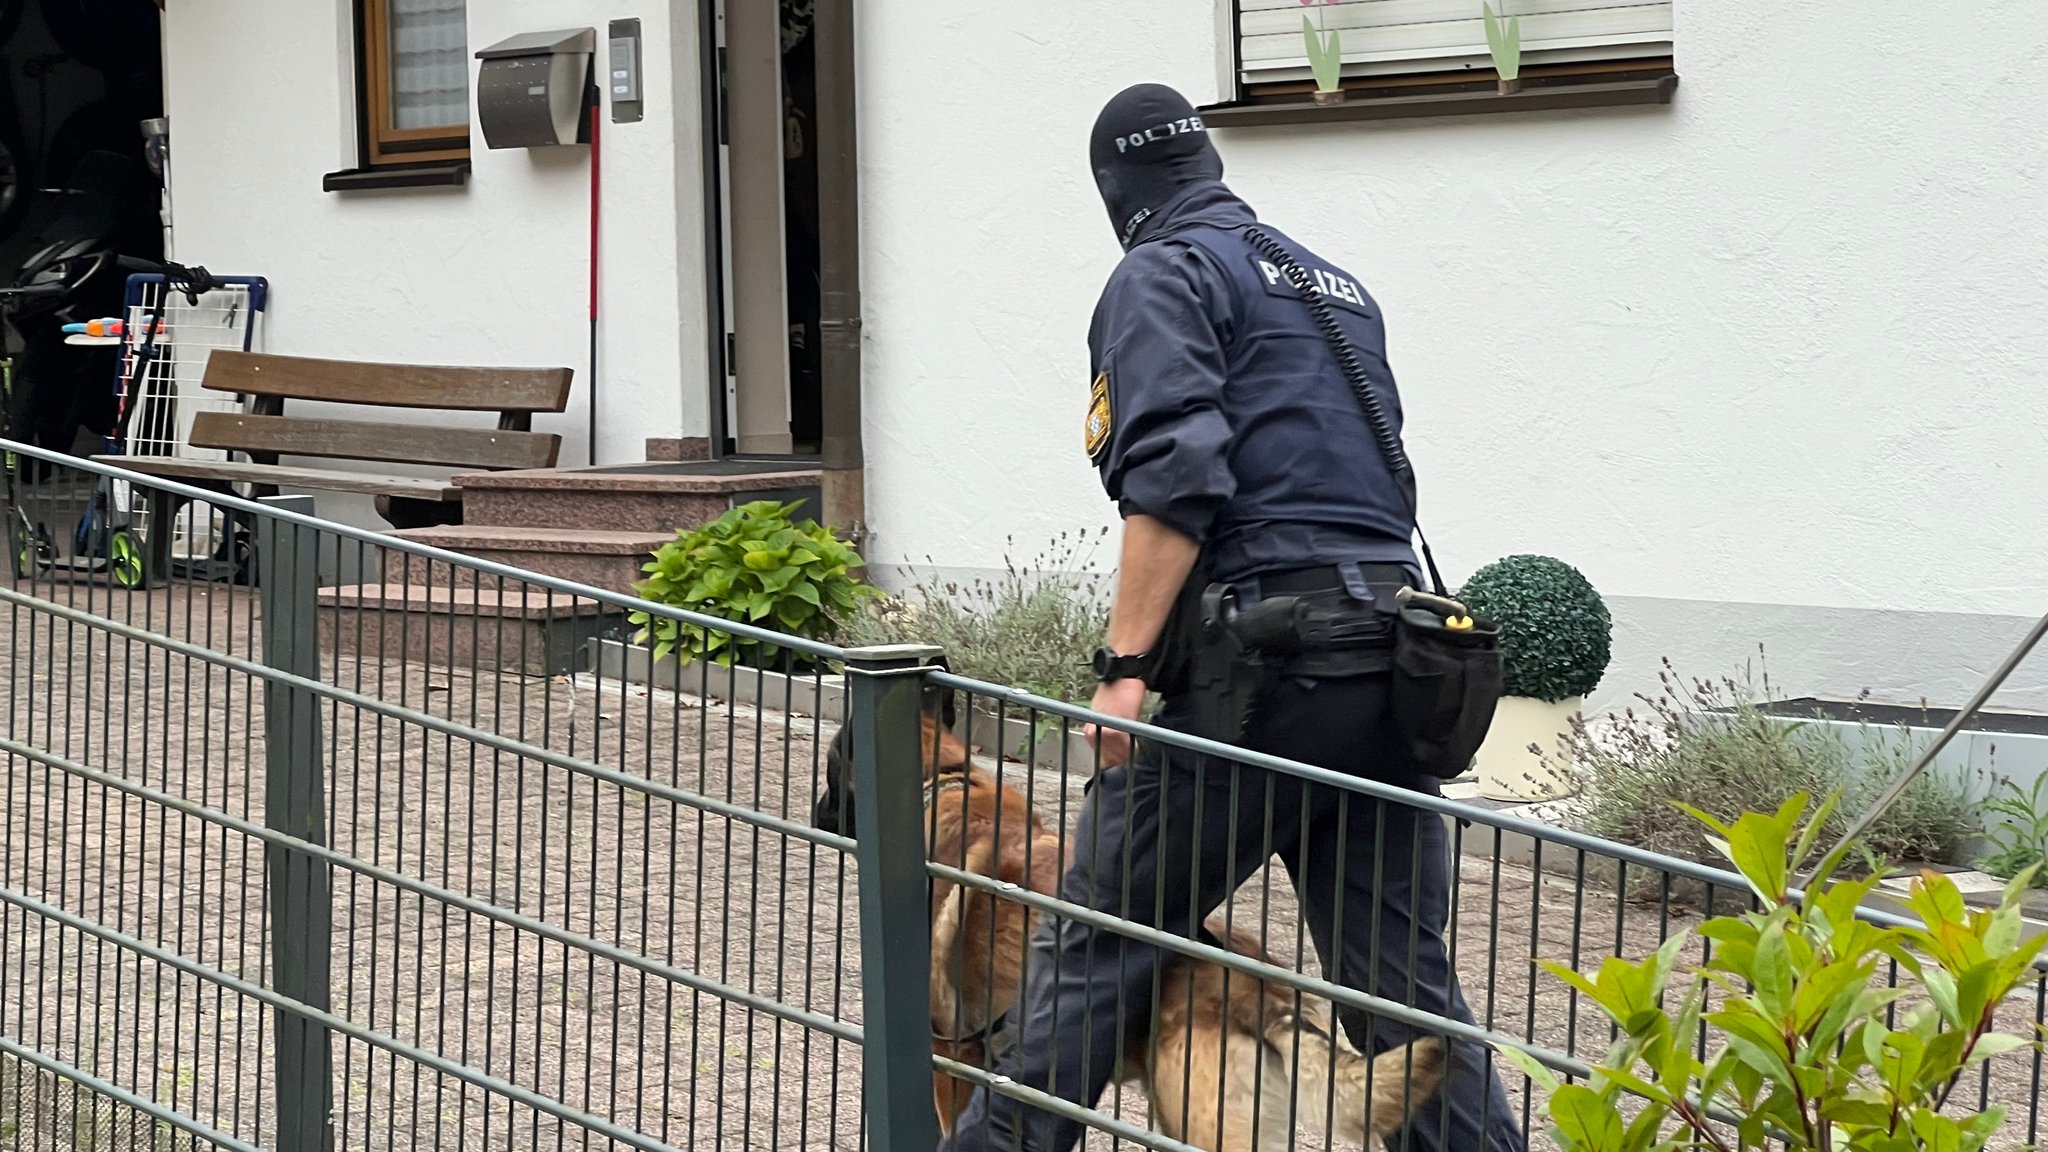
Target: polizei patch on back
x=1096 y=428
x=1337 y=288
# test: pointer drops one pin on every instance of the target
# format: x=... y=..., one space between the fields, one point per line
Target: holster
x=1225 y=676
x=1236 y=656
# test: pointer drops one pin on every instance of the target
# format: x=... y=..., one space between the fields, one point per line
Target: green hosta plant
x=1504 y=44
x=755 y=565
x=1810 y=1049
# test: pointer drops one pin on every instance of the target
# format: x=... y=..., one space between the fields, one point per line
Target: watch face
x=1101 y=662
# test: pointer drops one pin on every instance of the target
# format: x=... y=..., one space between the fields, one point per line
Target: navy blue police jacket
x=1218 y=408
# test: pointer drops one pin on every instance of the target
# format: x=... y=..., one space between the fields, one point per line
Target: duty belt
x=1332 y=578
x=1328 y=621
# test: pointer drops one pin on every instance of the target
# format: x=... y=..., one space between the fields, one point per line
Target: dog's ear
x=941 y=702
x=833 y=810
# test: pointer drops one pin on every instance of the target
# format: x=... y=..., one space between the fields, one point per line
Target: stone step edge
x=549 y=480
x=458 y=603
x=483 y=538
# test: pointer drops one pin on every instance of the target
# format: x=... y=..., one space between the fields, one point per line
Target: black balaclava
x=1149 y=145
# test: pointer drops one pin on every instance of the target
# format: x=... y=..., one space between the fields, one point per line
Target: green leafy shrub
x=1714 y=746
x=1031 y=628
x=1555 y=631
x=757 y=566
x=1810 y=1050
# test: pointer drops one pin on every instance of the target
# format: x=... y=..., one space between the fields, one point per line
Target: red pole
x=596 y=116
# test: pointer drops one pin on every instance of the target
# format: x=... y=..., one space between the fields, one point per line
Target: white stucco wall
x=1778 y=344
x=261 y=102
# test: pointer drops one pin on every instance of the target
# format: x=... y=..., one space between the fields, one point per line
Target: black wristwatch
x=1109 y=666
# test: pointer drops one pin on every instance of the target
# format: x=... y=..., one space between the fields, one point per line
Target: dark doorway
x=77 y=80
x=800 y=231
x=769 y=303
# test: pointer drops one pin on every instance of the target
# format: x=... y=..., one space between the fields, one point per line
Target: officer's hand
x=1121 y=699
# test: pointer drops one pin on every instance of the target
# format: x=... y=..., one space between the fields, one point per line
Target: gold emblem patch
x=1097 y=426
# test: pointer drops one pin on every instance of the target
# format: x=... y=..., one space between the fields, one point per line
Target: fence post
x=884 y=686
x=294 y=802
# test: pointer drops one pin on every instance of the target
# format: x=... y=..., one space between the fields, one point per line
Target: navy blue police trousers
x=1166 y=839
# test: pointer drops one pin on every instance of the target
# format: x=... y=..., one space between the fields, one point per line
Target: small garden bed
x=1730 y=745
x=824 y=695
x=2000 y=758
x=1932 y=719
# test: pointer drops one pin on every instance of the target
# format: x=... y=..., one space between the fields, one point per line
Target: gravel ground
x=624 y=860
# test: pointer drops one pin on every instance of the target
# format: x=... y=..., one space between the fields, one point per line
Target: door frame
x=842 y=456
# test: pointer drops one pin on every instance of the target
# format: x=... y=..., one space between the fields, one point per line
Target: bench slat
x=370 y=440
x=389 y=385
x=322 y=479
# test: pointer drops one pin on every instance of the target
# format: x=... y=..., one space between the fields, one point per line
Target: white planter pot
x=1508 y=770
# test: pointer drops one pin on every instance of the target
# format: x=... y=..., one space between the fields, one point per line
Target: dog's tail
x=946 y=934
x=1338 y=1085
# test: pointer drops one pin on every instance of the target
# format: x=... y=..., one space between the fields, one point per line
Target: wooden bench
x=265 y=433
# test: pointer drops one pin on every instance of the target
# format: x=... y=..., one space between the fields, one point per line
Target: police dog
x=1223 y=1049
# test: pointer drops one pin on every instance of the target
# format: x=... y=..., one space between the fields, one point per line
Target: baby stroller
x=54 y=390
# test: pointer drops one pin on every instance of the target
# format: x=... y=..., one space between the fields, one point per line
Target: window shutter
x=429 y=63
x=1385 y=37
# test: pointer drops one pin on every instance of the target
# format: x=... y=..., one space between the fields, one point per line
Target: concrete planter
x=1994 y=745
x=826 y=696
x=810 y=695
x=1508 y=770
x=2008 y=744
x=1014 y=741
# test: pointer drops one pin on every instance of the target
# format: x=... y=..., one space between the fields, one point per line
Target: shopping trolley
x=162 y=394
x=174 y=319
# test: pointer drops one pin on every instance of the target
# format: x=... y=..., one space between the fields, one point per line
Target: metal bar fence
x=366 y=845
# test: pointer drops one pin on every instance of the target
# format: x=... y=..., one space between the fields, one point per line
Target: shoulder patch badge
x=1096 y=429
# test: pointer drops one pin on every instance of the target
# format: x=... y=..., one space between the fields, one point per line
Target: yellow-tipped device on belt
x=1456 y=617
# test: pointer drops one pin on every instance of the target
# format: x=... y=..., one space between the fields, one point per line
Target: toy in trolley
x=174 y=318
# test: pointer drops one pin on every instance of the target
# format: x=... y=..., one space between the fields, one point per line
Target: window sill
x=1578 y=92
x=446 y=175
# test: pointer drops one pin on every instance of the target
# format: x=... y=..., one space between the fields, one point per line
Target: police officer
x=1225 y=432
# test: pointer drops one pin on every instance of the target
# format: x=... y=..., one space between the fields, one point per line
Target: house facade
x=1737 y=307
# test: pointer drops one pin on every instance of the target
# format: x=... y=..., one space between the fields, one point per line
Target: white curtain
x=429 y=63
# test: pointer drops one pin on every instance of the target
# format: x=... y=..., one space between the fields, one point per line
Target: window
x=1408 y=43
x=414 y=77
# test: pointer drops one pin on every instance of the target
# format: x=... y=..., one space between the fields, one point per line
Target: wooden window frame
x=382 y=145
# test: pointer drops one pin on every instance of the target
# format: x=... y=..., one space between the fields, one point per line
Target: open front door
x=789 y=213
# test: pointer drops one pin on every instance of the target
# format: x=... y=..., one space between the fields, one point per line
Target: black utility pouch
x=1446 y=684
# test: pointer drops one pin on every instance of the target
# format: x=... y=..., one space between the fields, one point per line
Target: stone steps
x=525 y=630
x=593 y=526
x=657 y=496
x=602 y=558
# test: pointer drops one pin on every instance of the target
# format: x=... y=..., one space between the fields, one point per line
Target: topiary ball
x=1555 y=632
